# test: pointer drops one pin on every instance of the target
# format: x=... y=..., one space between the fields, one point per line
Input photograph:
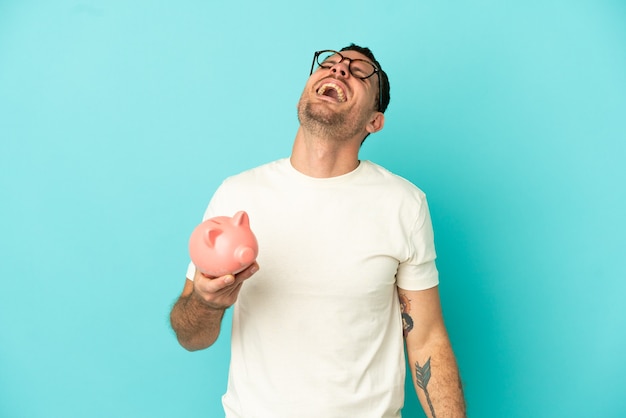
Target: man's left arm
x=433 y=366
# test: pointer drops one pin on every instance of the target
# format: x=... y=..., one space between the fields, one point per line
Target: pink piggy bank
x=223 y=245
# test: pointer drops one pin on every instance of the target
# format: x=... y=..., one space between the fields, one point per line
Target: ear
x=210 y=235
x=241 y=219
x=376 y=123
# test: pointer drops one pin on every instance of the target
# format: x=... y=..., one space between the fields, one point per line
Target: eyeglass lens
x=358 y=67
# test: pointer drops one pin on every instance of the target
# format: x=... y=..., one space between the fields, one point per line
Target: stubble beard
x=325 y=122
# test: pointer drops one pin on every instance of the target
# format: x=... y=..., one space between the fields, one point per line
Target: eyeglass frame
x=350 y=60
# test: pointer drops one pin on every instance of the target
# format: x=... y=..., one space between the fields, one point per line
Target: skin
x=326 y=145
x=320 y=150
x=427 y=342
x=197 y=314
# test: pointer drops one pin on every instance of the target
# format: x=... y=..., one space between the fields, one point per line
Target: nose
x=342 y=68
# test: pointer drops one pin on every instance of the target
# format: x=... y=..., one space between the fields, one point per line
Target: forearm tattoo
x=422 y=373
x=407 y=321
x=422 y=376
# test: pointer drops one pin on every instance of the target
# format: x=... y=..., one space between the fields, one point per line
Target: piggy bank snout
x=245 y=255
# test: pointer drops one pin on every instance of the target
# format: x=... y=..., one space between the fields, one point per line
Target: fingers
x=217 y=283
x=212 y=284
x=221 y=291
x=248 y=272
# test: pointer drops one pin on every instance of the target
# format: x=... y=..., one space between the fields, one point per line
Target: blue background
x=119 y=118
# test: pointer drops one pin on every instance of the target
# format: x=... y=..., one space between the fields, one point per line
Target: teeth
x=341 y=96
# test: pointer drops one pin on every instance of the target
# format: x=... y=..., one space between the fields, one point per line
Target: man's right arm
x=197 y=314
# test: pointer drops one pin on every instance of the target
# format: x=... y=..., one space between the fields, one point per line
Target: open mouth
x=333 y=91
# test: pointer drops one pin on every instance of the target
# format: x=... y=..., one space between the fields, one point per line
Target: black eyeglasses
x=358 y=68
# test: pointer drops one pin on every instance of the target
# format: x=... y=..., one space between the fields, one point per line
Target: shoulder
x=237 y=191
x=392 y=182
x=265 y=172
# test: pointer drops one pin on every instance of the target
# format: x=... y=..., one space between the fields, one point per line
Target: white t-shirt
x=317 y=332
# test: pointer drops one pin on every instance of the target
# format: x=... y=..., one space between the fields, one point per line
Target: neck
x=322 y=157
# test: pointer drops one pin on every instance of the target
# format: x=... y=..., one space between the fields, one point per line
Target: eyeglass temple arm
x=313 y=63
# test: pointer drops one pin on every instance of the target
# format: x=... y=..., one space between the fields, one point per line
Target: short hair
x=384 y=80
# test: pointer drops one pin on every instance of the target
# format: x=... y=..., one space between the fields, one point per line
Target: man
x=347 y=269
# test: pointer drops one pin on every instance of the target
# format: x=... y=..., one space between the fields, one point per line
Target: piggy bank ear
x=241 y=219
x=210 y=235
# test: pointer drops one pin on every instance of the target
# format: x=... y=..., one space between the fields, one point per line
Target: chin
x=318 y=113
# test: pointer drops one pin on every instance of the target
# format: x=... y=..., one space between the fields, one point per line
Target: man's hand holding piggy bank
x=224 y=251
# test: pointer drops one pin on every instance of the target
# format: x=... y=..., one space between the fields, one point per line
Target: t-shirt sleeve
x=419 y=271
